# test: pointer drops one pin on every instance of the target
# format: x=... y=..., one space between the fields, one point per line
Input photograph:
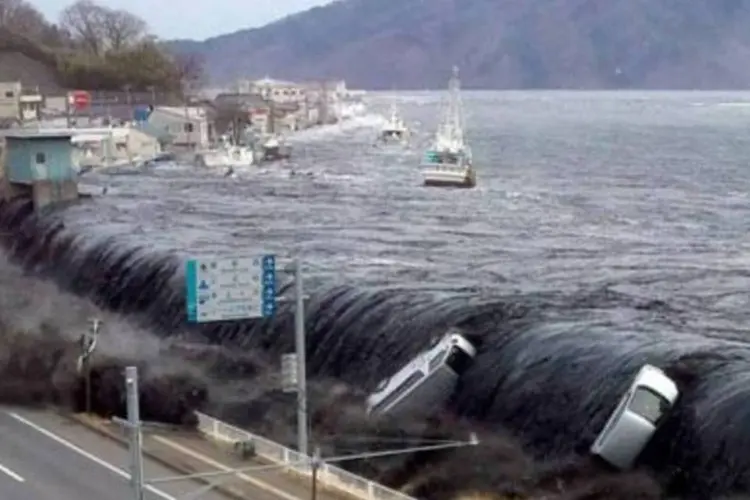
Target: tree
x=123 y=29
x=100 y=30
x=84 y=21
x=189 y=68
x=22 y=18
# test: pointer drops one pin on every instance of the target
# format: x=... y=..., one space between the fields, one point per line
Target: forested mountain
x=497 y=43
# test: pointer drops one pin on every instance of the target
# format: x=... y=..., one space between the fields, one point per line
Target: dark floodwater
x=608 y=230
x=642 y=193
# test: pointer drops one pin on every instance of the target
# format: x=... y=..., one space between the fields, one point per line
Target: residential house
x=192 y=127
x=115 y=145
x=277 y=91
x=248 y=109
x=10 y=100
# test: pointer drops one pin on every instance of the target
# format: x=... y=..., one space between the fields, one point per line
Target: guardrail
x=328 y=474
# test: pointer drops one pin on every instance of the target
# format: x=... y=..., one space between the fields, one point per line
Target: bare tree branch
x=18 y=16
x=189 y=69
x=100 y=29
x=84 y=20
x=123 y=29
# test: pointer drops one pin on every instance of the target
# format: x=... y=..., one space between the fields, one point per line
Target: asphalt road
x=45 y=457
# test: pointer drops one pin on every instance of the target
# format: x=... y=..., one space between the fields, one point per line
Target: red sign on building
x=79 y=99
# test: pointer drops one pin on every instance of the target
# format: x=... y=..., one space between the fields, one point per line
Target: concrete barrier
x=329 y=475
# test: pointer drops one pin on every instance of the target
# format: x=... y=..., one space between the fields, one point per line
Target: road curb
x=96 y=427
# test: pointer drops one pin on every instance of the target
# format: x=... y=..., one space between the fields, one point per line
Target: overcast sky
x=196 y=19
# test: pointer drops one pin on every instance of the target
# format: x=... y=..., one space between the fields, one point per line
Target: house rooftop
x=187 y=112
x=37 y=134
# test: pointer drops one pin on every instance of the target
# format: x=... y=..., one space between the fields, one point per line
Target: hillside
x=28 y=62
x=498 y=44
x=91 y=47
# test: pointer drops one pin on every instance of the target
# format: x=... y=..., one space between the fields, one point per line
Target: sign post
x=229 y=289
x=299 y=347
x=289 y=378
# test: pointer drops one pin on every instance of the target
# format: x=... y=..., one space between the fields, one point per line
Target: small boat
x=448 y=163
x=395 y=129
x=273 y=148
x=226 y=155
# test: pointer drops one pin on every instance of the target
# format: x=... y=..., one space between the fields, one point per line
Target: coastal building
x=19 y=104
x=37 y=164
x=277 y=91
x=103 y=146
x=191 y=127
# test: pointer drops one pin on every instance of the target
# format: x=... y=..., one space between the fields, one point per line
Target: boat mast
x=455 y=118
x=451 y=130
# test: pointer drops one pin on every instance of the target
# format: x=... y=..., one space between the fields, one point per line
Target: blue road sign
x=230 y=288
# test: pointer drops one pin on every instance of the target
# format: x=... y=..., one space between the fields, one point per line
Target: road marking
x=12 y=474
x=210 y=461
x=85 y=454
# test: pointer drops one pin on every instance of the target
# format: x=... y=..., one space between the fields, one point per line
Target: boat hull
x=221 y=159
x=448 y=178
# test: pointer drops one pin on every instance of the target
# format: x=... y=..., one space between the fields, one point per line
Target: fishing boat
x=273 y=147
x=227 y=154
x=448 y=163
x=395 y=129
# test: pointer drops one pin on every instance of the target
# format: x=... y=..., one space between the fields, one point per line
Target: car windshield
x=649 y=405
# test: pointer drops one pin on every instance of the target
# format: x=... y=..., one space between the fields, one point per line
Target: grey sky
x=196 y=19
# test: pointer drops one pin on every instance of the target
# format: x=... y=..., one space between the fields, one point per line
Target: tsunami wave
x=549 y=368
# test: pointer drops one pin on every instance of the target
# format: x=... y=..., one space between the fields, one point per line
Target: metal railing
x=330 y=475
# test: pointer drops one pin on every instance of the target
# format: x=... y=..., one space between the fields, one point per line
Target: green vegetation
x=95 y=47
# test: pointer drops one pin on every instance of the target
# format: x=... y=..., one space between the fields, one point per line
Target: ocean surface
x=607 y=230
x=640 y=193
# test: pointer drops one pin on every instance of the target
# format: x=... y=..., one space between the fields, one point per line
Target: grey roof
x=37 y=134
x=155 y=132
x=240 y=99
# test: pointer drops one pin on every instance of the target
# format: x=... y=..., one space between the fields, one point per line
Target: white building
x=190 y=126
x=113 y=145
x=278 y=91
x=15 y=104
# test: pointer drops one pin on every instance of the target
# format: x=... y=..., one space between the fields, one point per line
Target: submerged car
x=427 y=381
x=641 y=411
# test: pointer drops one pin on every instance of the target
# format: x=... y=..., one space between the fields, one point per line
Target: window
x=458 y=360
x=437 y=360
x=40 y=158
x=612 y=422
x=399 y=391
x=649 y=405
x=9 y=94
x=188 y=127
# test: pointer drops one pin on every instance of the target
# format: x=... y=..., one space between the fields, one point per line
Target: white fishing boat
x=394 y=130
x=448 y=163
x=274 y=147
x=225 y=155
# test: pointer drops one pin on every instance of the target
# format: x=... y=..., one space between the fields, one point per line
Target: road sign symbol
x=79 y=99
x=229 y=289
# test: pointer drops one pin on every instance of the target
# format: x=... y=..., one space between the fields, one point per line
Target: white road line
x=210 y=461
x=85 y=454
x=12 y=474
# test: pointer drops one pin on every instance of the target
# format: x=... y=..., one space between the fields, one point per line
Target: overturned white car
x=640 y=412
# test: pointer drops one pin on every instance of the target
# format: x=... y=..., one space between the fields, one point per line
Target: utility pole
x=316 y=462
x=134 y=428
x=294 y=365
x=88 y=345
x=300 y=348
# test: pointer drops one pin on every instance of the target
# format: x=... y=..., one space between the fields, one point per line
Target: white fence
x=329 y=475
